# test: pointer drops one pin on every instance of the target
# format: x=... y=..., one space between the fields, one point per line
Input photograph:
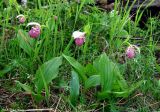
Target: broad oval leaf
x=38 y=97
x=125 y=93
x=109 y=73
x=25 y=87
x=74 y=88
x=93 y=80
x=90 y=70
x=47 y=72
x=122 y=33
x=77 y=66
x=105 y=70
x=25 y=42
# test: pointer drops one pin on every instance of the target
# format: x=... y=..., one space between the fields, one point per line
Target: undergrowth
x=50 y=71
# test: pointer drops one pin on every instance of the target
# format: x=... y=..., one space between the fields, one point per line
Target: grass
x=106 y=32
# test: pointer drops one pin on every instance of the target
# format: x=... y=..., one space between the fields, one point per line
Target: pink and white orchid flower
x=35 y=30
x=131 y=51
x=79 y=37
x=21 y=18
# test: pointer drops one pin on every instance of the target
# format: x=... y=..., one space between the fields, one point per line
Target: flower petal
x=21 y=15
x=78 y=34
x=33 y=24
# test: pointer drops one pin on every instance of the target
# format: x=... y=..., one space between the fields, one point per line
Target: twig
x=30 y=110
x=139 y=94
x=154 y=104
x=57 y=104
x=12 y=79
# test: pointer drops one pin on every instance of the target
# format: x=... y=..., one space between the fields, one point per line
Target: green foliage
x=47 y=72
x=25 y=42
x=44 y=75
x=108 y=77
x=8 y=68
x=100 y=69
x=77 y=66
x=90 y=70
x=74 y=88
x=29 y=90
x=93 y=81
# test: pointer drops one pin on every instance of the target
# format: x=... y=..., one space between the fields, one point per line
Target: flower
x=33 y=24
x=55 y=18
x=35 y=30
x=21 y=18
x=131 y=51
x=79 y=37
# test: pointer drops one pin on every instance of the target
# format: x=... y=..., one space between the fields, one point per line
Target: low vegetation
x=58 y=55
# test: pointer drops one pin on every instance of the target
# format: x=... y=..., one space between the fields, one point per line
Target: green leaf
x=87 y=29
x=25 y=42
x=74 y=88
x=5 y=70
x=122 y=33
x=88 y=1
x=77 y=66
x=50 y=24
x=90 y=70
x=105 y=70
x=129 y=90
x=134 y=86
x=8 y=68
x=124 y=94
x=37 y=97
x=158 y=83
x=103 y=95
x=47 y=72
x=25 y=87
x=93 y=80
x=157 y=67
x=111 y=79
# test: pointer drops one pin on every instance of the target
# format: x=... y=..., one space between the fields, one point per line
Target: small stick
x=57 y=104
x=154 y=104
x=30 y=110
x=2 y=80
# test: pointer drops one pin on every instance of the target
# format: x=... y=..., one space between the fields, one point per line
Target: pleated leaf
x=47 y=72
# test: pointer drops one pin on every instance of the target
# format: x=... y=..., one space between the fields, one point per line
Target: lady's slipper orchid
x=79 y=37
x=21 y=18
x=35 y=30
x=131 y=51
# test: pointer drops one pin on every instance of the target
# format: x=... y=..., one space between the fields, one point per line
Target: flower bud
x=21 y=18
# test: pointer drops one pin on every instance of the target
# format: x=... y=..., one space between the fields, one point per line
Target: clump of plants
x=88 y=58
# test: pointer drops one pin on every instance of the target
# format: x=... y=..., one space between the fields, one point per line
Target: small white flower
x=33 y=24
x=78 y=34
